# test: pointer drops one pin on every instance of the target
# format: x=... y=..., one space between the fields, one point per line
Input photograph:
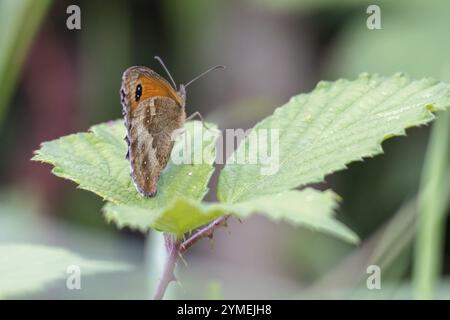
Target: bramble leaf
x=310 y=208
x=322 y=131
x=96 y=162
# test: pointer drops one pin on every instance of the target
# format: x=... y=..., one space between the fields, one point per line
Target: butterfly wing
x=152 y=114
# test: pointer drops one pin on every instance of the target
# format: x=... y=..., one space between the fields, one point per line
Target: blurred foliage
x=98 y=50
x=25 y=268
x=304 y=5
x=214 y=291
x=89 y=243
x=411 y=41
x=19 y=21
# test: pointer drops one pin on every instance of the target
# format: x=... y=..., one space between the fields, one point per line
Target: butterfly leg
x=198 y=114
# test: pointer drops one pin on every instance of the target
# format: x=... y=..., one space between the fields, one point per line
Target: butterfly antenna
x=204 y=73
x=167 y=71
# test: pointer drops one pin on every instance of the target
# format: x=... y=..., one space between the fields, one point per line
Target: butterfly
x=153 y=110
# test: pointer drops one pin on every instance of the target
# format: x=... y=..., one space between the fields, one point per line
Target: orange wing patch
x=154 y=87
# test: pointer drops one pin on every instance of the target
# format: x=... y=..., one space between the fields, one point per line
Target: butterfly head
x=182 y=92
x=142 y=83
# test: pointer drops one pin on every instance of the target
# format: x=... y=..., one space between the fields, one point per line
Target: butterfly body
x=153 y=111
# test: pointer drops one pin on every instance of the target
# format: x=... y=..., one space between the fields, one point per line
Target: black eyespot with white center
x=138 y=92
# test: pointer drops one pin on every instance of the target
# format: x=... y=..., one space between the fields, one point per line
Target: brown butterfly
x=153 y=110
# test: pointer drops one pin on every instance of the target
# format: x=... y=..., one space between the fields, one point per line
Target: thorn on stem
x=182 y=259
x=173 y=278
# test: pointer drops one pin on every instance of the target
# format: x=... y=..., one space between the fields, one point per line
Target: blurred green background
x=55 y=81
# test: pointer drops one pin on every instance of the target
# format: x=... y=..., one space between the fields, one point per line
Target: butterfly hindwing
x=151 y=142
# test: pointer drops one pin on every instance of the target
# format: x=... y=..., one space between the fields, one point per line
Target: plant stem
x=176 y=247
x=203 y=232
x=431 y=206
x=168 y=273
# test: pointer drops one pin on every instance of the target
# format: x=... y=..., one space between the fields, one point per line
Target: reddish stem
x=203 y=232
x=168 y=273
x=176 y=248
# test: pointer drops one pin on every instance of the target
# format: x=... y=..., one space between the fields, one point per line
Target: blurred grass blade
x=19 y=21
x=396 y=237
x=384 y=248
x=432 y=203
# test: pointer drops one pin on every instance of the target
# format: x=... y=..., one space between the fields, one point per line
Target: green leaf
x=337 y=123
x=26 y=268
x=178 y=217
x=310 y=208
x=96 y=161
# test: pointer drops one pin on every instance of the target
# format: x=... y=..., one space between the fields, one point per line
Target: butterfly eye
x=138 y=92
